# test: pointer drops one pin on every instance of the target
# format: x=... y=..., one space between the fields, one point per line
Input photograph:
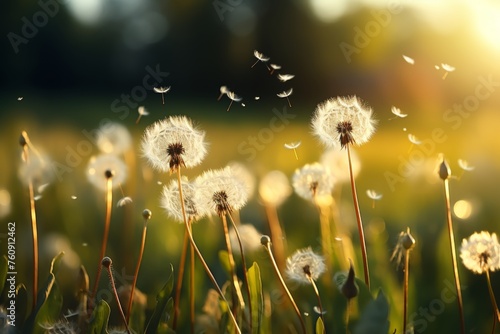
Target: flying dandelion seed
x=465 y=165
x=37 y=197
x=397 y=112
x=234 y=98
x=20 y=98
x=223 y=91
x=142 y=112
x=260 y=57
x=317 y=310
x=448 y=69
x=404 y=129
x=286 y=94
x=124 y=201
x=414 y=140
x=293 y=146
x=257 y=98
x=74 y=197
x=274 y=67
x=374 y=196
x=409 y=60
x=243 y=105
x=162 y=91
x=84 y=244
x=437 y=67
x=42 y=187
x=285 y=77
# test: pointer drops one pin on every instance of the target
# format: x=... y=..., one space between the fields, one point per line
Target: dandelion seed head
x=172 y=142
x=100 y=167
x=481 y=252
x=312 y=180
x=304 y=265
x=250 y=238
x=220 y=191
x=405 y=243
x=243 y=173
x=274 y=188
x=170 y=201
x=113 y=138
x=38 y=170
x=342 y=121
x=336 y=160
x=285 y=93
x=285 y=77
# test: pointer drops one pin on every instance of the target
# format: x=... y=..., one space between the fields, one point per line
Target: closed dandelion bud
x=106 y=262
x=22 y=139
x=407 y=240
x=146 y=214
x=350 y=289
x=265 y=240
x=444 y=170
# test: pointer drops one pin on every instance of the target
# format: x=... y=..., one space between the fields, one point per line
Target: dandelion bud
x=444 y=170
x=106 y=262
x=348 y=285
x=265 y=240
x=407 y=240
x=146 y=214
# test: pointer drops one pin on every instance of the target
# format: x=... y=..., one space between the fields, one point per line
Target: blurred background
x=69 y=67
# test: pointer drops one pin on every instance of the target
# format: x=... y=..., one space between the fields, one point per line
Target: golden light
x=462 y=209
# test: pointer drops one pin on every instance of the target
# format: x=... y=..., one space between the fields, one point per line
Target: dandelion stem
x=453 y=255
x=162 y=99
x=109 y=200
x=180 y=275
x=107 y=263
x=277 y=236
x=136 y=274
x=192 y=288
x=230 y=103
x=295 y=152
x=232 y=265
x=319 y=299
x=358 y=219
x=289 y=104
x=496 y=313
x=283 y=285
x=200 y=256
x=348 y=310
x=405 y=289
x=245 y=273
x=254 y=63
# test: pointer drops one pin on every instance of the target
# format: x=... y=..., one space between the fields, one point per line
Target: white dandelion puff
x=220 y=191
x=409 y=60
x=464 y=164
x=313 y=180
x=162 y=91
x=274 y=188
x=113 y=138
x=250 y=238
x=260 y=57
x=170 y=201
x=285 y=77
x=481 y=252
x=173 y=142
x=38 y=170
x=286 y=94
x=142 y=112
x=242 y=172
x=304 y=265
x=103 y=165
x=335 y=160
x=342 y=121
